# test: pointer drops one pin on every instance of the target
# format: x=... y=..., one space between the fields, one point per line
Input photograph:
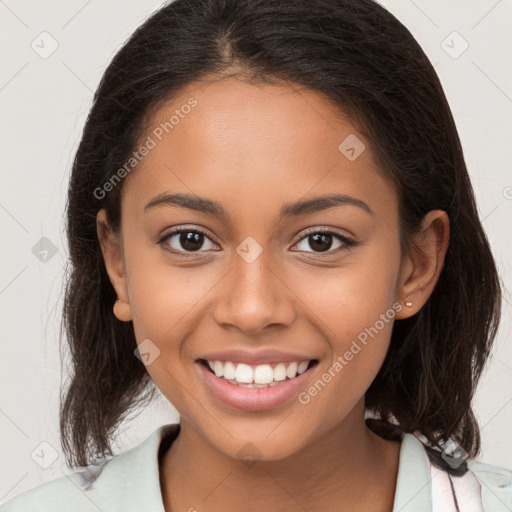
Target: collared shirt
x=130 y=482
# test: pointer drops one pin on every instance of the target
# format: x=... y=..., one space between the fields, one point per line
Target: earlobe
x=111 y=248
x=424 y=263
x=122 y=310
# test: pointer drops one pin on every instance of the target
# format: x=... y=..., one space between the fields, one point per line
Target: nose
x=254 y=296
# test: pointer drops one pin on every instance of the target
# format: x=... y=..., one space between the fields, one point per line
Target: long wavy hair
x=365 y=61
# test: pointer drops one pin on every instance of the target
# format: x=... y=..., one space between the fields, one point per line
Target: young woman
x=270 y=221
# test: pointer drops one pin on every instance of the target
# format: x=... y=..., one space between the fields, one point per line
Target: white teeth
x=263 y=374
x=218 y=368
x=291 y=371
x=280 y=372
x=302 y=367
x=259 y=376
x=244 y=373
x=229 y=370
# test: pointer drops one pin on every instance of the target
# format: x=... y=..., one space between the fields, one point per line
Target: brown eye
x=323 y=241
x=320 y=241
x=185 y=240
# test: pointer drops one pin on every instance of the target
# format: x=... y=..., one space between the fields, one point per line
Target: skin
x=253 y=149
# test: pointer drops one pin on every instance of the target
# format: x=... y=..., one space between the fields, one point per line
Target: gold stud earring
x=122 y=310
x=408 y=304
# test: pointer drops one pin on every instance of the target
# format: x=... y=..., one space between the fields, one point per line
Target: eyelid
x=325 y=229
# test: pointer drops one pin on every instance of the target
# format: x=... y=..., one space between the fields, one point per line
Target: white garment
x=130 y=482
x=467 y=492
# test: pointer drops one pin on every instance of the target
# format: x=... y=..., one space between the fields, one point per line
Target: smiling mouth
x=257 y=376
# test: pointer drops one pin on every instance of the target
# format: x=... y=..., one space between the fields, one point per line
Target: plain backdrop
x=52 y=55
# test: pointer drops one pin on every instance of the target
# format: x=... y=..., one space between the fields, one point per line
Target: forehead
x=246 y=145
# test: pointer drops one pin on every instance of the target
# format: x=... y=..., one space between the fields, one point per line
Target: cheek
x=352 y=297
x=354 y=307
x=357 y=323
x=164 y=297
x=166 y=306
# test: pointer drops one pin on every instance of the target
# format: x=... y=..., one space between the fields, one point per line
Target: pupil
x=189 y=238
x=319 y=239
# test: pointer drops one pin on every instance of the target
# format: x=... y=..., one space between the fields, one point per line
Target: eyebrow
x=214 y=208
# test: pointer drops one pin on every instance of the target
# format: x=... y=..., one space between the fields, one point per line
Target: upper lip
x=269 y=355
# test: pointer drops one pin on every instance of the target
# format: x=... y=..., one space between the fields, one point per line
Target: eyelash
x=347 y=242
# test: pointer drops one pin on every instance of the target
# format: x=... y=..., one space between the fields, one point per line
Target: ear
x=112 y=250
x=422 y=265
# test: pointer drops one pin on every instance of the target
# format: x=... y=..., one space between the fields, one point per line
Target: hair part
x=360 y=57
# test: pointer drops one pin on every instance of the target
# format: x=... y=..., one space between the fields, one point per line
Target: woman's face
x=310 y=282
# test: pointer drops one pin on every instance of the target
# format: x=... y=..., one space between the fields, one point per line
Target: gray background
x=43 y=105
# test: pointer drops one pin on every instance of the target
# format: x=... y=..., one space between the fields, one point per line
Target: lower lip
x=254 y=399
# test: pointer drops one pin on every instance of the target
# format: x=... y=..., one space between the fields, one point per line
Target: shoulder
x=495 y=483
x=68 y=492
x=128 y=482
x=483 y=487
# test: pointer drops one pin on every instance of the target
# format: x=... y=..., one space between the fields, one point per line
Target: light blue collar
x=139 y=466
x=413 y=488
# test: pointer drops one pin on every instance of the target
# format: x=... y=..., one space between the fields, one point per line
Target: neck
x=347 y=468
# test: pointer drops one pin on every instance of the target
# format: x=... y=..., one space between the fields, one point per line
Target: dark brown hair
x=366 y=62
